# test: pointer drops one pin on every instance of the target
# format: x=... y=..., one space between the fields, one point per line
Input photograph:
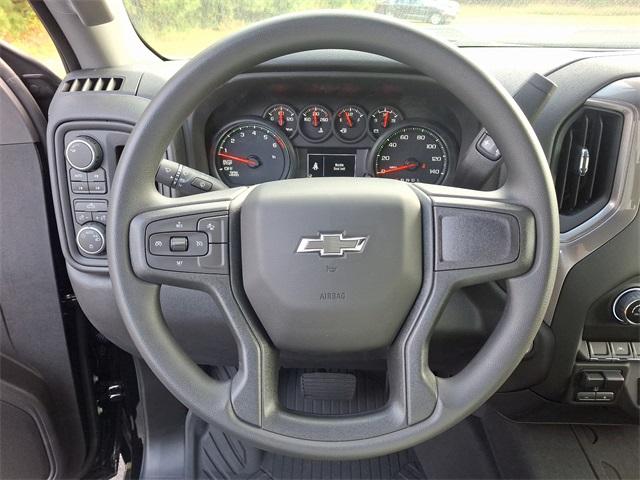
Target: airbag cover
x=331 y=265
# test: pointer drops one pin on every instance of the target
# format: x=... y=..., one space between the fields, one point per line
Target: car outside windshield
x=182 y=28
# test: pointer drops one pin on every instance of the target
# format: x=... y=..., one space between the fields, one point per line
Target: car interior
x=331 y=245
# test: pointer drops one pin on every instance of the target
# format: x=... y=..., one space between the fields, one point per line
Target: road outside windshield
x=181 y=28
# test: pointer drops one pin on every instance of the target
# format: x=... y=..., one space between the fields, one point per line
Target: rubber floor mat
x=219 y=456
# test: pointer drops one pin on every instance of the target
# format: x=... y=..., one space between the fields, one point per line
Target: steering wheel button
x=216 y=261
x=215 y=228
x=487 y=147
x=174 y=263
x=179 y=244
x=176 y=224
x=159 y=244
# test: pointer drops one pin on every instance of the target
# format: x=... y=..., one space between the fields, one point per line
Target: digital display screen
x=331 y=165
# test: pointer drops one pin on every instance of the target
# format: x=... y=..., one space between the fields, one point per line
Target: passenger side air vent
x=584 y=164
x=88 y=84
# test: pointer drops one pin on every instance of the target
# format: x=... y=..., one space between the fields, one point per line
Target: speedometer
x=248 y=152
x=411 y=153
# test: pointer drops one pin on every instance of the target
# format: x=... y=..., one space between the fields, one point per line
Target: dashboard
x=334 y=126
x=254 y=150
x=338 y=114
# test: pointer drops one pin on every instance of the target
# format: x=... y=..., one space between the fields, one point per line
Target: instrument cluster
x=254 y=149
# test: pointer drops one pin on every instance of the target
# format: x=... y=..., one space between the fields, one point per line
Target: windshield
x=181 y=28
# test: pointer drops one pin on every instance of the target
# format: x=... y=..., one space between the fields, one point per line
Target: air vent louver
x=584 y=164
x=93 y=84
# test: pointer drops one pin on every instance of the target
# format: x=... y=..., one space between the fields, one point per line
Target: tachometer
x=411 y=153
x=248 y=152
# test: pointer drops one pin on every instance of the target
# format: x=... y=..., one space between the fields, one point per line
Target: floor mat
x=221 y=457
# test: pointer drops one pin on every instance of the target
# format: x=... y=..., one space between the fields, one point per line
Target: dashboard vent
x=93 y=84
x=584 y=164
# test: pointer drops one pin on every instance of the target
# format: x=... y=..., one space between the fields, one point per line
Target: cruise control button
x=179 y=244
x=215 y=228
x=174 y=263
x=159 y=244
x=177 y=224
x=216 y=261
x=198 y=244
x=79 y=187
x=191 y=244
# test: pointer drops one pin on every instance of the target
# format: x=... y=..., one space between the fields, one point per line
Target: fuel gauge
x=350 y=123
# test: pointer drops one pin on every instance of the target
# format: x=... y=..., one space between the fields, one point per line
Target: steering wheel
x=328 y=266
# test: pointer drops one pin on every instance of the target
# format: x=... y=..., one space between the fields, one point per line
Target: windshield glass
x=181 y=28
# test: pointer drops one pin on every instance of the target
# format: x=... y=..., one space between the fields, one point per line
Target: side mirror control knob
x=626 y=306
x=91 y=239
x=84 y=153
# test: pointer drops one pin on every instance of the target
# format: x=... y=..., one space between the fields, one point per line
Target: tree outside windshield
x=181 y=28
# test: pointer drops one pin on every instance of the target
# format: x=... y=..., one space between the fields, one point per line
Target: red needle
x=280 y=118
x=315 y=115
x=347 y=117
x=251 y=163
x=385 y=120
x=397 y=169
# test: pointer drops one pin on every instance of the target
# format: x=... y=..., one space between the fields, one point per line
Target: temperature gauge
x=350 y=123
x=382 y=119
x=315 y=123
x=284 y=117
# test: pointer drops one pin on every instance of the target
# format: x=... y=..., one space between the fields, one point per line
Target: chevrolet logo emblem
x=332 y=244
